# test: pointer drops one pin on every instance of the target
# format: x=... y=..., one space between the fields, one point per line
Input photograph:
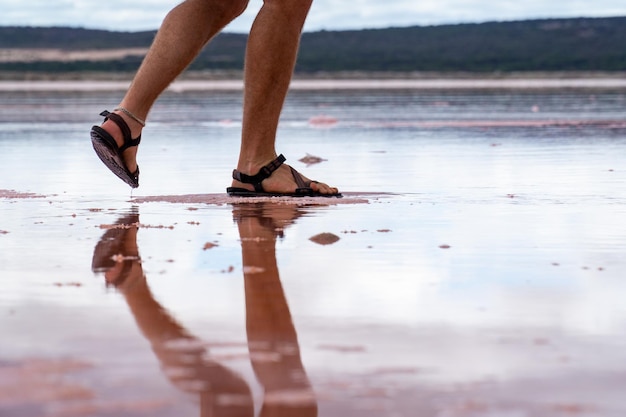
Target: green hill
x=581 y=44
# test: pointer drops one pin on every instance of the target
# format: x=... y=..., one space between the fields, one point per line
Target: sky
x=139 y=15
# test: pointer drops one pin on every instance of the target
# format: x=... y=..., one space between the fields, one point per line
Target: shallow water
x=478 y=270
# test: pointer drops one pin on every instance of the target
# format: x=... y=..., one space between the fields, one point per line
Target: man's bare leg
x=183 y=34
x=270 y=59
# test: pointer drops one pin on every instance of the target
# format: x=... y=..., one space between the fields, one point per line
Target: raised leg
x=183 y=34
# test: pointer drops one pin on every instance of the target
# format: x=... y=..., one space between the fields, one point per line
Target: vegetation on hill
x=71 y=38
x=582 y=44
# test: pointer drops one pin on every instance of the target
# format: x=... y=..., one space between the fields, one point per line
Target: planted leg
x=270 y=59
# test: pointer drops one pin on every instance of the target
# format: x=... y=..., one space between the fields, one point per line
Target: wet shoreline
x=469 y=83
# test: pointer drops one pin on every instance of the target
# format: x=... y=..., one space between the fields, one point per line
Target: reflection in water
x=272 y=340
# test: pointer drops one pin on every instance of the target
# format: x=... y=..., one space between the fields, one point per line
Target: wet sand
x=471 y=269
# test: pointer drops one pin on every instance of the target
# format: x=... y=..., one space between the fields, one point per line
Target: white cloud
x=329 y=14
x=114 y=14
x=325 y=14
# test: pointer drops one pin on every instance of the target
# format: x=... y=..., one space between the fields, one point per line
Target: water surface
x=478 y=271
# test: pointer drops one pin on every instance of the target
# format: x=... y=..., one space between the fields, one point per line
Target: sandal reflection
x=185 y=361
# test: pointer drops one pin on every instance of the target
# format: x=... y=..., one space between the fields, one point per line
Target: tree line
x=577 y=44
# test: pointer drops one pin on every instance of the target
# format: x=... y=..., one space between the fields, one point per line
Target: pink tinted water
x=478 y=270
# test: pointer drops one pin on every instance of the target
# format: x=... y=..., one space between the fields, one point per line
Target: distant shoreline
x=235 y=75
x=344 y=81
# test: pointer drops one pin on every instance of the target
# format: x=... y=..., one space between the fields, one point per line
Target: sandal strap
x=302 y=184
x=121 y=123
x=263 y=173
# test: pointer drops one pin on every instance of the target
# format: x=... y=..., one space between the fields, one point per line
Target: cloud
x=113 y=14
x=330 y=14
x=325 y=14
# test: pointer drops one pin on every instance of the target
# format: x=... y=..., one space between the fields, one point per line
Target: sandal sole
x=242 y=192
x=112 y=160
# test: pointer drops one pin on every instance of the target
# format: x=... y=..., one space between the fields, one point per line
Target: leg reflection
x=183 y=357
x=272 y=339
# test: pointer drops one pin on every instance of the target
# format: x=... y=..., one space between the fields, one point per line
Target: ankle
x=123 y=110
x=252 y=165
x=134 y=126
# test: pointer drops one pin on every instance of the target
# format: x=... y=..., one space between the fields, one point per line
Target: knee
x=294 y=9
x=234 y=8
x=220 y=12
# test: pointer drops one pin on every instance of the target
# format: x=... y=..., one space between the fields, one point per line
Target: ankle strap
x=263 y=173
x=121 y=123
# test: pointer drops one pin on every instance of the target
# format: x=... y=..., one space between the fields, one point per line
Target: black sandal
x=304 y=187
x=111 y=154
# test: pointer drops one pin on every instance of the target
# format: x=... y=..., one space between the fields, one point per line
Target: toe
x=323 y=188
